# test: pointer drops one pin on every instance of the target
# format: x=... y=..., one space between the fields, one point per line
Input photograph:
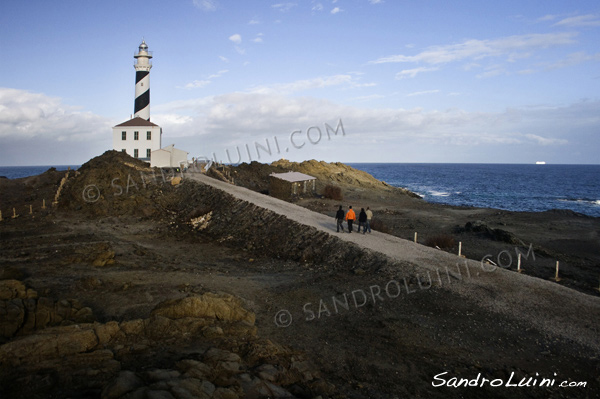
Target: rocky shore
x=132 y=287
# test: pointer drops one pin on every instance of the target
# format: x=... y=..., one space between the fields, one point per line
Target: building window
x=136 y=135
x=148 y=135
x=135 y=153
x=148 y=153
x=123 y=135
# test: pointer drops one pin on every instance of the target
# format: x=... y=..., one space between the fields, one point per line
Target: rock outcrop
x=200 y=346
x=23 y=312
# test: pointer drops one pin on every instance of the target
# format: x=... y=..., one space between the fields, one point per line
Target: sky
x=336 y=80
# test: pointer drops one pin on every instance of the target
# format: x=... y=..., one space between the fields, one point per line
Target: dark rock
x=127 y=381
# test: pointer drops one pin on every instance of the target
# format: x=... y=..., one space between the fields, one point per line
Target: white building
x=169 y=157
x=137 y=137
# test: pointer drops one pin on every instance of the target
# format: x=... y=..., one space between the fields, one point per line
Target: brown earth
x=175 y=308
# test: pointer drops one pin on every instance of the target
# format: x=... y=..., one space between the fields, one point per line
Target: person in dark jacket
x=362 y=220
x=339 y=218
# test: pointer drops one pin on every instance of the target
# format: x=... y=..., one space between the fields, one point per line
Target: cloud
x=308 y=84
x=368 y=98
x=218 y=74
x=574 y=59
x=27 y=115
x=491 y=71
x=317 y=7
x=30 y=123
x=224 y=59
x=375 y=1
x=336 y=10
x=580 y=21
x=545 y=141
x=197 y=84
x=284 y=7
x=253 y=22
x=236 y=119
x=258 y=38
x=168 y=120
x=36 y=129
x=205 y=5
x=477 y=49
x=411 y=73
x=420 y=93
x=236 y=38
x=547 y=17
x=526 y=71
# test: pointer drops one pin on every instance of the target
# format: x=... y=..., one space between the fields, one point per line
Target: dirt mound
x=255 y=176
x=32 y=190
x=116 y=184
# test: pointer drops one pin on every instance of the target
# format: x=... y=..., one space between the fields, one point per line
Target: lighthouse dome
x=143 y=46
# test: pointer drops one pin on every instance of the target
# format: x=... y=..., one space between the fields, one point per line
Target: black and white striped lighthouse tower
x=142 y=82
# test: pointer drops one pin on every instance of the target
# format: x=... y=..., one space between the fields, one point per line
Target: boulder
x=104 y=258
x=126 y=382
x=11 y=289
x=209 y=305
x=12 y=316
x=49 y=343
x=106 y=332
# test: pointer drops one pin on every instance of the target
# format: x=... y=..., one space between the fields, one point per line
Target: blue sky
x=403 y=81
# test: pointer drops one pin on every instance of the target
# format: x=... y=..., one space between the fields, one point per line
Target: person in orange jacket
x=350 y=218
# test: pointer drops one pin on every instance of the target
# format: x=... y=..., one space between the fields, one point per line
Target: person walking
x=350 y=218
x=339 y=218
x=362 y=220
x=369 y=217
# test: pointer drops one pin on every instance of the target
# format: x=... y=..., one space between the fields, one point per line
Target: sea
x=16 y=172
x=513 y=187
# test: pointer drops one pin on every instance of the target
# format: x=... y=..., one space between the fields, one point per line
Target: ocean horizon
x=512 y=187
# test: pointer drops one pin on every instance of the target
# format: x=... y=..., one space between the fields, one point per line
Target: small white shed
x=291 y=185
x=168 y=157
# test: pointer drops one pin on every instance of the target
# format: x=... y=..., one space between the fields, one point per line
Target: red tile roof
x=137 y=121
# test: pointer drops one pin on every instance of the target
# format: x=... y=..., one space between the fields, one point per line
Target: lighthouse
x=139 y=137
x=142 y=81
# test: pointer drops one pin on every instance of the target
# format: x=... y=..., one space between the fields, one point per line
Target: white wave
x=580 y=200
x=439 y=194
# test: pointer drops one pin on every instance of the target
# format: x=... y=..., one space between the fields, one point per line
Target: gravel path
x=541 y=303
